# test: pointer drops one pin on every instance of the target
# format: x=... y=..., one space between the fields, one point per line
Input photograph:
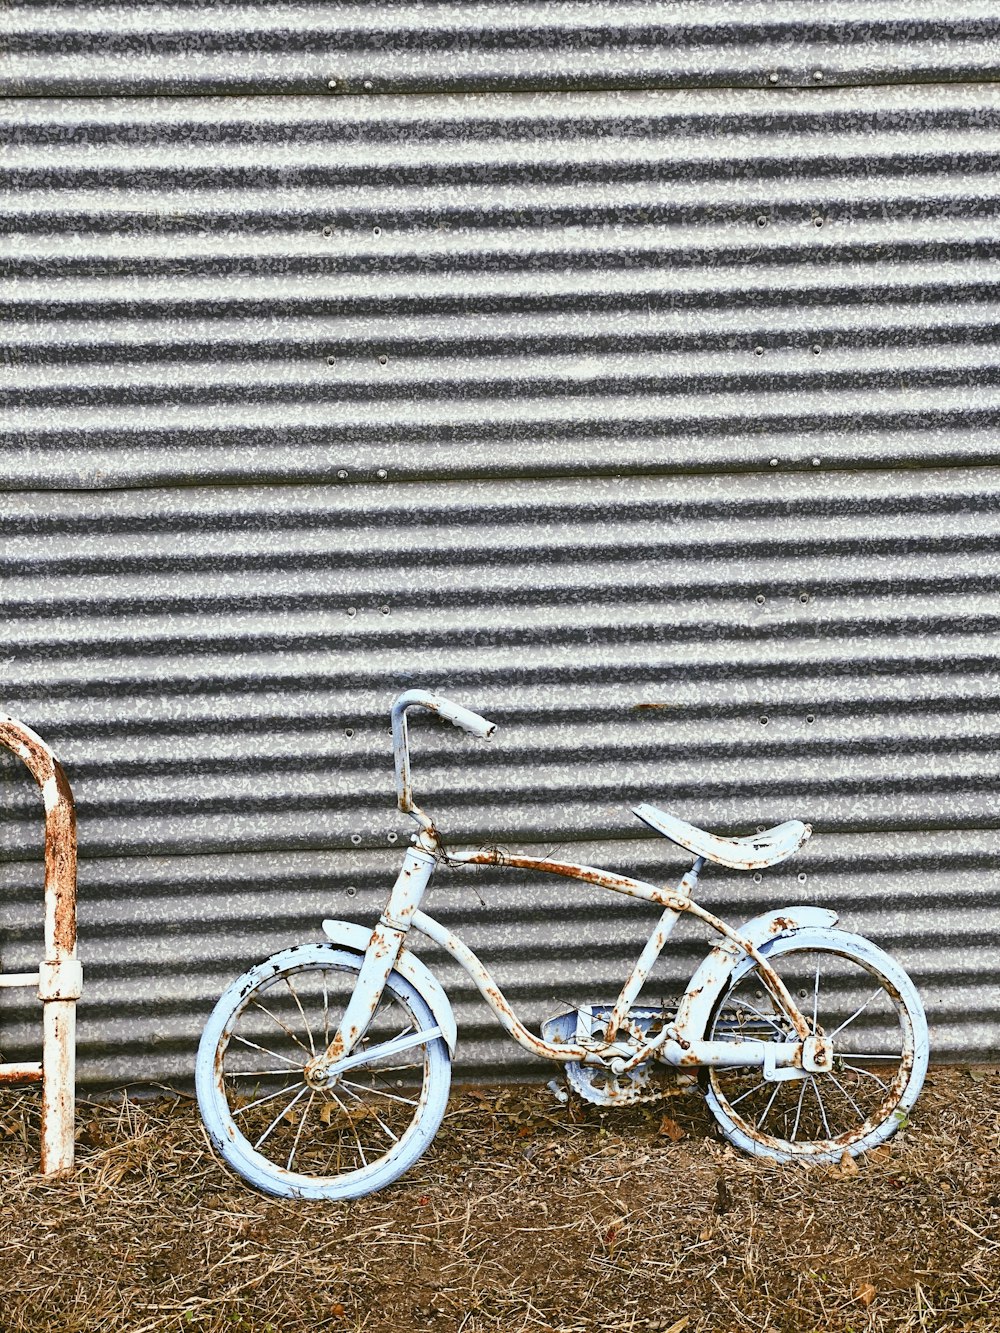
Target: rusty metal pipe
x=60 y=977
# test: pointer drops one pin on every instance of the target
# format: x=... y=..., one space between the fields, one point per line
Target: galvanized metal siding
x=343 y=48
x=563 y=404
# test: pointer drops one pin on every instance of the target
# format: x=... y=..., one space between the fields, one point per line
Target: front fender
x=712 y=975
x=408 y=965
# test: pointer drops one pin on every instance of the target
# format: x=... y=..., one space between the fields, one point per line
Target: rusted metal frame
x=654 y=947
x=28 y=1072
x=379 y=960
x=496 y=999
x=674 y=900
x=715 y=1053
x=605 y=879
x=770 y=980
x=60 y=976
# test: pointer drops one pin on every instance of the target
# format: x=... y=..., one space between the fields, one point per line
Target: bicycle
x=324 y=1071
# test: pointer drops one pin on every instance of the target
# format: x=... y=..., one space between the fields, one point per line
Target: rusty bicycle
x=324 y=1071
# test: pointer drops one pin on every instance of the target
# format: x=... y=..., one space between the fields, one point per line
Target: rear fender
x=712 y=976
x=352 y=936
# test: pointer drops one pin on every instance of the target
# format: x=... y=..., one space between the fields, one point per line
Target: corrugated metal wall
x=658 y=425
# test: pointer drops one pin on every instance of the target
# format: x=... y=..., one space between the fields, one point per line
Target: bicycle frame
x=403 y=912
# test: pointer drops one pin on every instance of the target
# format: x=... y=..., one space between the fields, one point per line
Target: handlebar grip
x=465 y=719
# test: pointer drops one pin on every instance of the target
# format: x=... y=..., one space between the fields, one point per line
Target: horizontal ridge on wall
x=292 y=289
x=215 y=666
x=344 y=48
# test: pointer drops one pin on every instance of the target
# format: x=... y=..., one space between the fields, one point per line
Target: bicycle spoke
x=392 y=1096
x=374 y=1114
x=868 y=1074
x=822 y=1109
x=284 y=1026
x=847 y=1095
x=767 y=1108
x=798 y=1111
x=326 y=1013
x=305 y=1021
x=847 y=1021
x=242 y=1110
x=744 y=1095
x=281 y=1114
x=256 y=1073
x=863 y=1055
x=265 y=1050
x=745 y=1004
x=816 y=999
x=298 y=1132
x=354 y=1128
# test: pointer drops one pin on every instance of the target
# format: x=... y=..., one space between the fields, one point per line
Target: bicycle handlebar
x=454 y=713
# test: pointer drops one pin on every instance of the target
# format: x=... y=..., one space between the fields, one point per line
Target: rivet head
x=351 y=890
x=331 y=83
x=803 y=597
x=327 y=231
x=383 y=360
x=818 y=75
x=763 y=721
x=759 y=599
x=758 y=351
x=376 y=231
x=773 y=76
x=368 y=85
x=384 y=610
x=349 y=732
x=802 y=879
x=352 y=610
x=817 y=222
x=774 y=462
x=816 y=462
x=381 y=474
x=356 y=839
x=393 y=837
x=757 y=877
x=816 y=349
x=761 y=220
x=810 y=717
x=332 y=361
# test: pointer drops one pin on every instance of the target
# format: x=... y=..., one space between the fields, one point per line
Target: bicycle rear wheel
x=296 y=1141
x=850 y=991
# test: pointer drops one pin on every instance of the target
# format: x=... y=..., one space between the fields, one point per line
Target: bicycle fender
x=712 y=974
x=408 y=965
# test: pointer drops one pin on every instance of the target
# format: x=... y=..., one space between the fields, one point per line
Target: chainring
x=597 y=1083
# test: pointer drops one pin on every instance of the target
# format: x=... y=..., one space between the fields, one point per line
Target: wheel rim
x=847 y=999
x=300 y=1131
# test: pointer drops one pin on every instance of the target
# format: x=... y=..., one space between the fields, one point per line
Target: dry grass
x=525 y=1215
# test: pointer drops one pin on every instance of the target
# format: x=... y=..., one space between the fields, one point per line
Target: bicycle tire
x=863 y=1107
x=315 y=1148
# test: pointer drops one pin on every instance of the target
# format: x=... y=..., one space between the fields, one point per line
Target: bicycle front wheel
x=850 y=991
x=296 y=1141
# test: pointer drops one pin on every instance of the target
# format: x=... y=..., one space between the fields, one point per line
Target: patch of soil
x=524 y=1215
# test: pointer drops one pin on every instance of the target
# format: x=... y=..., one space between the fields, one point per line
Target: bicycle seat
x=751 y=853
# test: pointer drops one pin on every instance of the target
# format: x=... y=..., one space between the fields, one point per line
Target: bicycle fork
x=379 y=960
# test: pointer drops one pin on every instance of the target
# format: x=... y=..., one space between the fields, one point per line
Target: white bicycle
x=324 y=1071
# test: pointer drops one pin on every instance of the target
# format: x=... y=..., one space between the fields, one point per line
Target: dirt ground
x=524 y=1215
